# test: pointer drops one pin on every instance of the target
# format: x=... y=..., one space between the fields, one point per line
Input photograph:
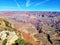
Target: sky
x=30 y=5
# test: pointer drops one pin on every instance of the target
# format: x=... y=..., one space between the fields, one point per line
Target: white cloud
x=27 y=3
x=18 y=5
x=39 y=3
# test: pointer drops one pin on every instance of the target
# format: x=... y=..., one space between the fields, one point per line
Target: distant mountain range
x=46 y=23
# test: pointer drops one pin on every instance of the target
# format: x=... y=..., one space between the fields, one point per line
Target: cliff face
x=28 y=31
x=9 y=34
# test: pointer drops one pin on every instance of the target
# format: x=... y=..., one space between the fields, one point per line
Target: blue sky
x=30 y=5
